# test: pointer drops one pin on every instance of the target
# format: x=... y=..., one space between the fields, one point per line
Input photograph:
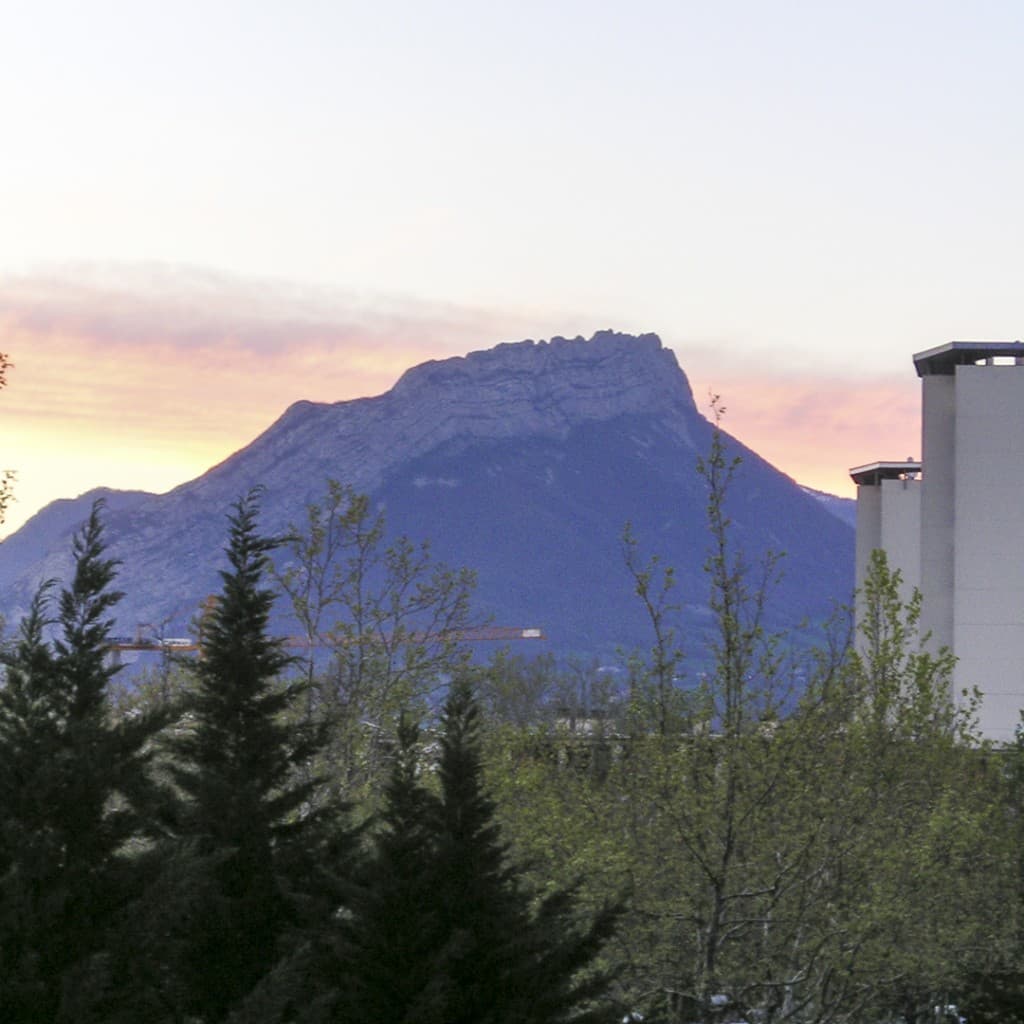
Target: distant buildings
x=954 y=523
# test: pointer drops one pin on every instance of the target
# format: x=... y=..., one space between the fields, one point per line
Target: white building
x=958 y=531
x=889 y=517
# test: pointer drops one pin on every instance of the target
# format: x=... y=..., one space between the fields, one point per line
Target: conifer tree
x=254 y=848
x=498 y=962
x=70 y=783
x=446 y=934
x=386 y=950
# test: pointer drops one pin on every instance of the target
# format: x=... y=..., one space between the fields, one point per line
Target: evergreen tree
x=71 y=781
x=245 y=825
x=394 y=925
x=445 y=934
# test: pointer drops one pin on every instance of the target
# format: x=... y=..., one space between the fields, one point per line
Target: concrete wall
x=869 y=529
x=938 y=515
x=889 y=517
x=901 y=531
x=988 y=585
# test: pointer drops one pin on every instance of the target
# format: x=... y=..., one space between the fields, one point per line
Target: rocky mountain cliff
x=523 y=462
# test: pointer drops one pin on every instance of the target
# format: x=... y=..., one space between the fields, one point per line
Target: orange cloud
x=145 y=377
x=815 y=427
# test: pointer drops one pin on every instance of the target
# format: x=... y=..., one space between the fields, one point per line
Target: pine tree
x=253 y=847
x=394 y=927
x=445 y=934
x=71 y=781
x=499 y=963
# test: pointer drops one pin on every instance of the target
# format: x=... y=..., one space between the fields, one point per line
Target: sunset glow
x=211 y=211
x=145 y=389
x=133 y=391
x=816 y=429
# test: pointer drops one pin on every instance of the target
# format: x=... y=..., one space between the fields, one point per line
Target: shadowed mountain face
x=523 y=462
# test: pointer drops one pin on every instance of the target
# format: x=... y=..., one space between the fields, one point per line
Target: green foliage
x=71 y=786
x=993 y=990
x=538 y=693
x=811 y=839
x=904 y=685
x=656 y=701
x=393 y=928
x=497 y=962
x=245 y=820
x=925 y=795
x=444 y=933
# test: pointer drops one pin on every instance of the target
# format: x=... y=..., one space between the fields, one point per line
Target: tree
x=935 y=850
x=71 y=786
x=713 y=790
x=993 y=990
x=388 y=615
x=246 y=824
x=443 y=933
x=654 y=683
x=799 y=834
x=386 y=949
x=496 y=961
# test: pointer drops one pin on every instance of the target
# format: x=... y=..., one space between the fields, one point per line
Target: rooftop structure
x=944 y=359
x=875 y=472
x=948 y=522
x=889 y=517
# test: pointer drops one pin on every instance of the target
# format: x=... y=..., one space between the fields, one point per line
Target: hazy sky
x=210 y=210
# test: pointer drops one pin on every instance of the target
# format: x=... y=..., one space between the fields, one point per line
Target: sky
x=210 y=210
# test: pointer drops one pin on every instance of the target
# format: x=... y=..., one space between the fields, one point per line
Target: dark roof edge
x=944 y=359
x=874 y=472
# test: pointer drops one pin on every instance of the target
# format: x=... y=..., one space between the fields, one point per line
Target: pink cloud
x=147 y=376
x=195 y=309
x=815 y=427
x=190 y=351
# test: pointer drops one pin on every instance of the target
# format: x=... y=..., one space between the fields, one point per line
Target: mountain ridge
x=522 y=461
x=404 y=421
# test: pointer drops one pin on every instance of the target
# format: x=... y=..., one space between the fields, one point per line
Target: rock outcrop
x=526 y=388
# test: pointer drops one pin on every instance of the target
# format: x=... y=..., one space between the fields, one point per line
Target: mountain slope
x=844 y=508
x=523 y=462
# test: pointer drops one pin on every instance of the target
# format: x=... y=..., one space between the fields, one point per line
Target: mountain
x=844 y=508
x=522 y=462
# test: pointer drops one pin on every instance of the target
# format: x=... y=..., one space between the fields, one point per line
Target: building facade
x=889 y=517
x=964 y=545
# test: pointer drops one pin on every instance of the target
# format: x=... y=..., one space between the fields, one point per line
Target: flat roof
x=874 y=473
x=944 y=359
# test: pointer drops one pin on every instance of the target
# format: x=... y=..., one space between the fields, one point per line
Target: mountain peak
x=516 y=389
x=522 y=461
x=559 y=381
